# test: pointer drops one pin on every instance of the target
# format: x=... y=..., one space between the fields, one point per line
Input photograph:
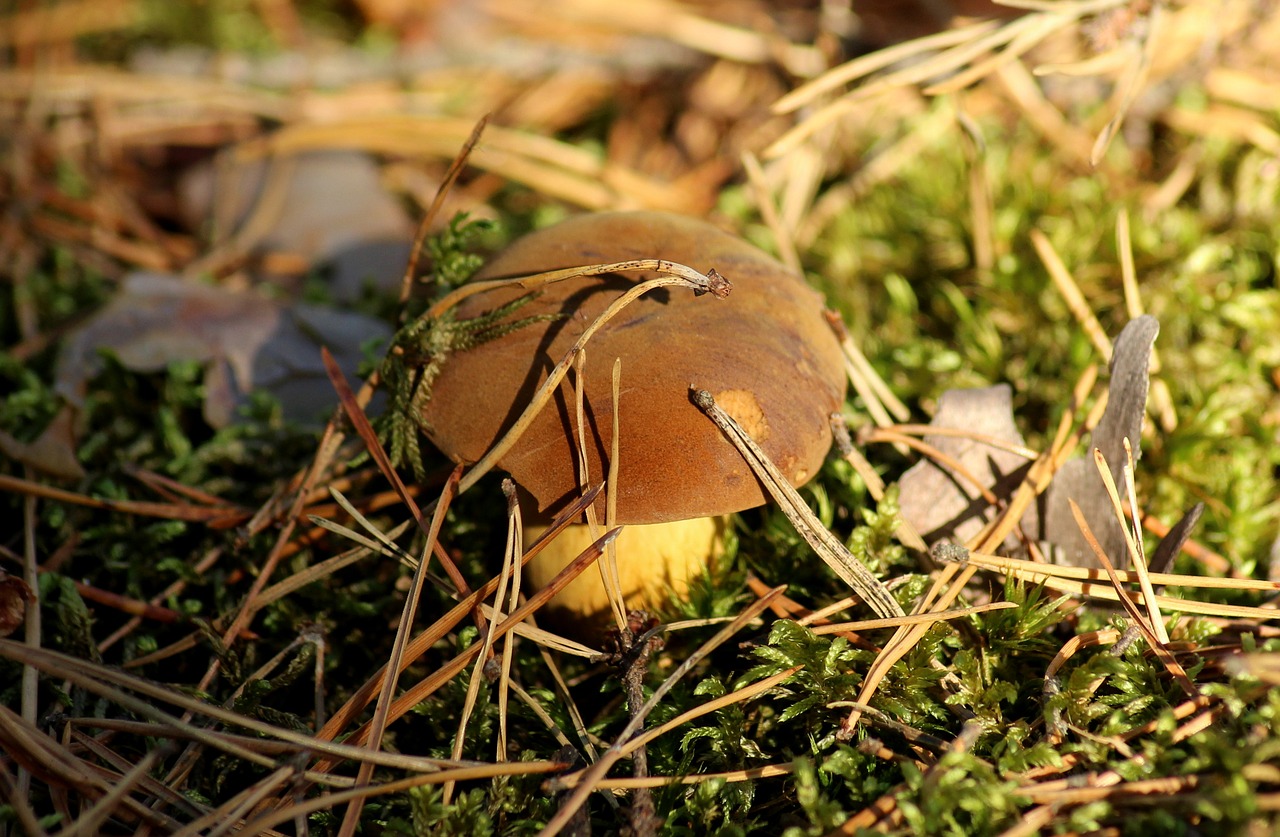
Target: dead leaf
x=15 y=595
x=294 y=214
x=1079 y=479
x=939 y=502
x=53 y=452
x=246 y=341
x=1171 y=544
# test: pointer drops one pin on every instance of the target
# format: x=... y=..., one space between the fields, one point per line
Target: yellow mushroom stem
x=654 y=560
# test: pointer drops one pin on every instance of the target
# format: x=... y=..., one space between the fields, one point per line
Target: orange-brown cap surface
x=765 y=353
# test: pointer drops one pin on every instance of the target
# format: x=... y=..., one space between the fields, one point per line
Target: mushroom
x=765 y=352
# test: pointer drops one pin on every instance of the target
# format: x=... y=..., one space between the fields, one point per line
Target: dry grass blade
x=1071 y=646
x=382 y=543
x=952 y=580
x=1091 y=582
x=914 y=619
x=355 y=414
x=472 y=773
x=700 y=283
x=536 y=707
x=782 y=237
x=1161 y=398
x=1072 y=294
x=1071 y=141
x=104 y=681
x=47 y=759
x=572 y=780
x=828 y=546
x=1173 y=666
x=897 y=431
x=1133 y=535
x=844 y=444
x=377 y=726
x=326 y=450
x=1035 y=31
x=876 y=395
x=766 y=772
x=156 y=790
x=548 y=166
x=931 y=131
x=679 y=24
x=437 y=202
x=961 y=57
x=217 y=516
x=607 y=566
x=865 y=65
x=22 y=813
x=232 y=813
x=935 y=66
x=950 y=462
x=570 y=705
x=1131 y=83
x=510 y=558
x=155 y=730
x=1033 y=571
x=982 y=208
x=739 y=696
x=544 y=638
x=510 y=565
x=1102 y=590
x=613 y=582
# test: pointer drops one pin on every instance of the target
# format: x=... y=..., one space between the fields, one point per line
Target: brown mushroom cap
x=765 y=353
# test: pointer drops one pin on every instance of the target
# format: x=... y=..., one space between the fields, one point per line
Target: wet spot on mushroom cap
x=746 y=411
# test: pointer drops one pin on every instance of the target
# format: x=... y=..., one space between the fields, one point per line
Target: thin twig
x=379 y=722
x=828 y=546
x=442 y=191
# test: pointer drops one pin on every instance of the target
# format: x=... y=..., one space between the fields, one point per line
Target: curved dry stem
x=678 y=275
x=699 y=282
x=828 y=546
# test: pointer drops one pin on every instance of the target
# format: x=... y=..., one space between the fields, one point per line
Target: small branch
x=827 y=545
x=642 y=817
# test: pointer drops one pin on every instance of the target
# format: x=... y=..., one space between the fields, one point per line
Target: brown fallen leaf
x=15 y=595
x=944 y=504
x=294 y=214
x=247 y=342
x=53 y=452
